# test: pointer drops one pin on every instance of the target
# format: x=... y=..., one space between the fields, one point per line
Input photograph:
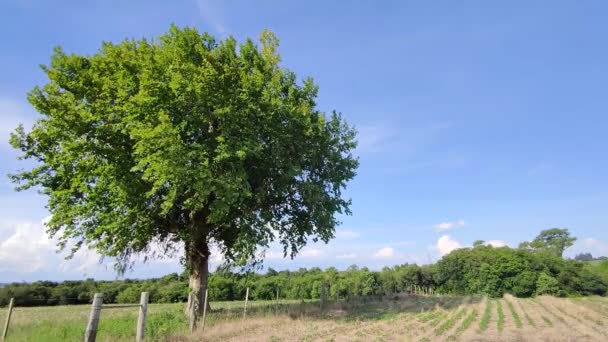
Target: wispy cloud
x=210 y=11
x=386 y=252
x=311 y=253
x=346 y=234
x=447 y=226
x=346 y=256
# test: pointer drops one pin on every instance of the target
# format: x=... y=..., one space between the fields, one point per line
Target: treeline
x=480 y=270
x=226 y=286
x=523 y=273
x=535 y=268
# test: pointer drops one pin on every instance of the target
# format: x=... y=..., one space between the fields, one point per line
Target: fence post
x=246 y=300
x=205 y=308
x=191 y=312
x=141 y=320
x=276 y=311
x=91 y=333
x=8 y=318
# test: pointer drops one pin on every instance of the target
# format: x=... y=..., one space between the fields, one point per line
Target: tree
x=555 y=240
x=584 y=257
x=479 y=243
x=547 y=285
x=185 y=141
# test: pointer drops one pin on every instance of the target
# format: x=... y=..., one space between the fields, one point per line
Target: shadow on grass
x=367 y=308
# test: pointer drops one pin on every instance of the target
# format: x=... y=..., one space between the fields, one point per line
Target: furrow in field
x=516 y=315
x=593 y=303
x=581 y=331
x=525 y=313
x=585 y=317
x=445 y=322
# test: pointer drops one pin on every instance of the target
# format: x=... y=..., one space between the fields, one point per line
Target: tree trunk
x=197 y=254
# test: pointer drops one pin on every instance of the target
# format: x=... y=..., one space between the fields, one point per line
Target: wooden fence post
x=8 y=318
x=141 y=320
x=246 y=300
x=91 y=333
x=205 y=308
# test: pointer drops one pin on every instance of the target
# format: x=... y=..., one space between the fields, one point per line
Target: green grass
x=514 y=314
x=450 y=322
x=472 y=317
x=485 y=319
x=500 y=324
x=68 y=322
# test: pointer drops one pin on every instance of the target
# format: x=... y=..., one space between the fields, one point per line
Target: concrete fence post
x=91 y=333
x=191 y=312
x=246 y=300
x=8 y=318
x=141 y=320
x=205 y=308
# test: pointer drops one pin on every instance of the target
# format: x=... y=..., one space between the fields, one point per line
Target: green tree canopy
x=554 y=240
x=185 y=140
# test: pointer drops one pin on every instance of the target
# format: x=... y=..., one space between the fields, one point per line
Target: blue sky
x=477 y=119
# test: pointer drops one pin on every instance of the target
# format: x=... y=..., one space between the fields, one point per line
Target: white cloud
x=347 y=234
x=346 y=256
x=375 y=137
x=446 y=226
x=445 y=245
x=386 y=252
x=497 y=243
x=311 y=253
x=27 y=252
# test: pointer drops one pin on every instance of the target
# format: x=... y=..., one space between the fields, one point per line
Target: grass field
x=397 y=319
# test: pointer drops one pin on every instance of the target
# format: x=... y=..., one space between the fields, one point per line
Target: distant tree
x=479 y=243
x=185 y=141
x=555 y=240
x=584 y=257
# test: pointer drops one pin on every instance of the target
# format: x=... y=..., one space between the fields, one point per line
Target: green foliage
x=496 y=271
x=184 y=139
x=554 y=240
x=547 y=285
x=303 y=284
